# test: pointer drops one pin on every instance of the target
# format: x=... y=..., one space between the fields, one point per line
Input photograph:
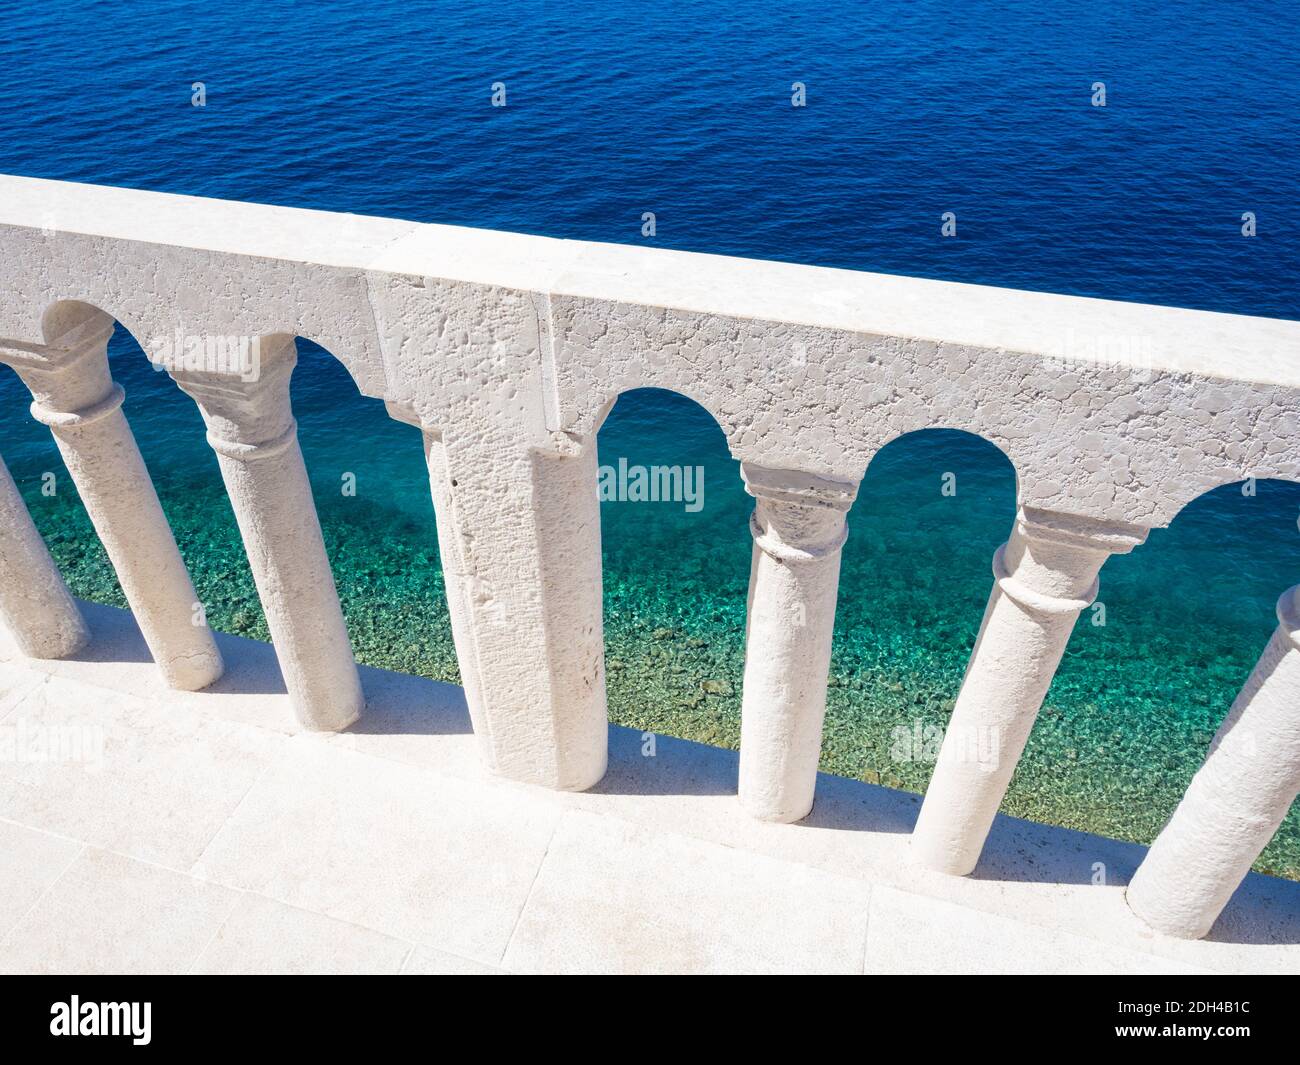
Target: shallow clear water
x=684 y=110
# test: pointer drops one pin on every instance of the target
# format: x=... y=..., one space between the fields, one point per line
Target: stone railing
x=508 y=351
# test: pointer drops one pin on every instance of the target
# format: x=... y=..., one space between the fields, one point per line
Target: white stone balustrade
x=76 y=397
x=508 y=351
x=1237 y=798
x=252 y=430
x=1044 y=576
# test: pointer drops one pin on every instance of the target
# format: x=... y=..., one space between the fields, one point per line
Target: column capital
x=798 y=486
x=1050 y=565
x=88 y=336
x=246 y=407
x=1074 y=530
x=69 y=377
x=798 y=516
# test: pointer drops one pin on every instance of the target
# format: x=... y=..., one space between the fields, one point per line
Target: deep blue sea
x=984 y=109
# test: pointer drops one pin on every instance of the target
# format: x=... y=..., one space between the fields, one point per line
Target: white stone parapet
x=508 y=352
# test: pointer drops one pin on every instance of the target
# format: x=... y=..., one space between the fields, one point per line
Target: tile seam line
x=198 y=858
x=866 y=928
x=532 y=887
x=1147 y=948
x=22 y=694
x=46 y=832
x=386 y=933
x=49 y=675
x=225 y=920
x=9 y=932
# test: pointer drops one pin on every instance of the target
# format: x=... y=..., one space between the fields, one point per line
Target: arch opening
x=915 y=575
x=371 y=487
x=676 y=568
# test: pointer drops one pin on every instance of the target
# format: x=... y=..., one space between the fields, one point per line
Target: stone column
x=1045 y=575
x=519 y=541
x=75 y=396
x=34 y=601
x=454 y=574
x=251 y=428
x=1237 y=798
x=798 y=526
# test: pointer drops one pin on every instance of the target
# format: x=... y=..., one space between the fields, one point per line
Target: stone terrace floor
x=210 y=835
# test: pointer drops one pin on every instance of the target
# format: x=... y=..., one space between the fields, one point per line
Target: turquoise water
x=913 y=109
